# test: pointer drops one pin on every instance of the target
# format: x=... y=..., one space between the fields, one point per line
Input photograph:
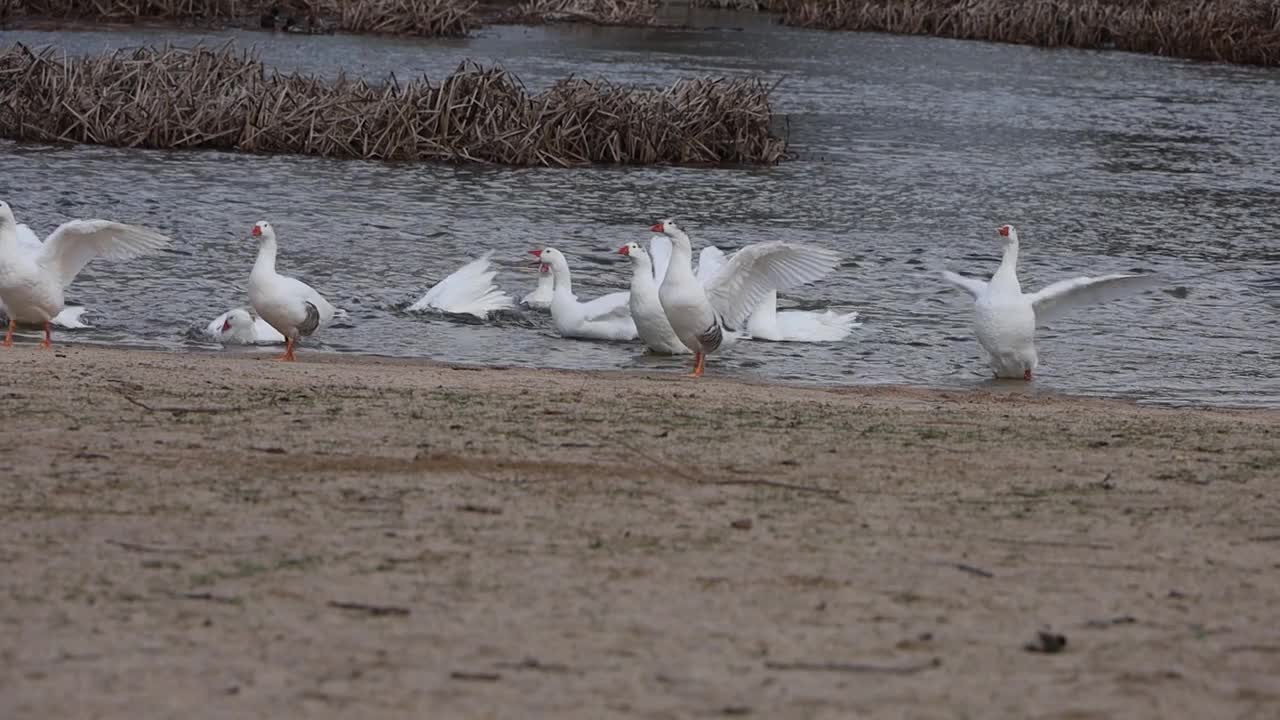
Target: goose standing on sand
x=540 y=297
x=242 y=327
x=1005 y=318
x=290 y=306
x=34 y=278
x=605 y=318
x=700 y=316
x=469 y=290
x=646 y=309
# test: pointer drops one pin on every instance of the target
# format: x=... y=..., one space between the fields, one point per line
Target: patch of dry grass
x=221 y=99
x=1239 y=31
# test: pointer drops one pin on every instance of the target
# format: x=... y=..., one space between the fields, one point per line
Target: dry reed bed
x=203 y=98
x=1239 y=31
x=631 y=13
x=426 y=18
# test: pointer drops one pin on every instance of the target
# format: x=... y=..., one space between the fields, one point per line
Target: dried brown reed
x=757 y=5
x=203 y=98
x=429 y=18
x=1239 y=31
x=597 y=12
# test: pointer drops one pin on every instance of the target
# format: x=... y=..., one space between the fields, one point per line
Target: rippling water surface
x=911 y=151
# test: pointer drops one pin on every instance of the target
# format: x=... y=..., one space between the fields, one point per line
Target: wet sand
x=220 y=535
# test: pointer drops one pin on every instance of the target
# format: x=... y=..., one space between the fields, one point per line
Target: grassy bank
x=1238 y=31
x=173 y=99
x=229 y=536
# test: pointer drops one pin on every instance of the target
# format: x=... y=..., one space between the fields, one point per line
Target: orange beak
x=1004 y=231
x=657 y=227
x=256 y=231
x=226 y=326
x=624 y=250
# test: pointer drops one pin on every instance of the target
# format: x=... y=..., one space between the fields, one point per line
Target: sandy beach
x=221 y=535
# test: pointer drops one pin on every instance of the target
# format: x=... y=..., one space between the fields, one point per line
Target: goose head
x=263 y=231
x=542 y=267
x=669 y=228
x=552 y=260
x=635 y=252
x=1008 y=235
x=237 y=321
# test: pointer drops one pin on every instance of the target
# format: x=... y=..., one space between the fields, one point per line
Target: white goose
x=540 y=297
x=469 y=290
x=290 y=306
x=605 y=318
x=766 y=323
x=646 y=309
x=33 y=278
x=700 y=316
x=241 y=327
x=808 y=326
x=1005 y=318
x=70 y=316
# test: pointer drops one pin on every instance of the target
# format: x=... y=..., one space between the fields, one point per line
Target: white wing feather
x=710 y=262
x=660 y=252
x=75 y=243
x=755 y=270
x=613 y=306
x=468 y=290
x=1056 y=299
x=976 y=288
x=28 y=240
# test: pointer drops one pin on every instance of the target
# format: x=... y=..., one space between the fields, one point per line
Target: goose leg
x=48 y=336
x=697 y=364
x=8 y=337
x=702 y=365
x=1026 y=374
x=288 y=351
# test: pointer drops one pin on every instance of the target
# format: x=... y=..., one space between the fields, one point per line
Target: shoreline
x=978 y=388
x=246 y=536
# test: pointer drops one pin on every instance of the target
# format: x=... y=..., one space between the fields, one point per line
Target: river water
x=910 y=152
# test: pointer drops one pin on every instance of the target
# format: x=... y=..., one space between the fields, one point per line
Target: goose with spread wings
x=701 y=316
x=1005 y=318
x=35 y=276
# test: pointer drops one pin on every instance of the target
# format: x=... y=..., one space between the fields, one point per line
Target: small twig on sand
x=177 y=410
x=373 y=610
x=856 y=667
x=140 y=547
x=531 y=663
x=482 y=509
x=210 y=597
x=478 y=676
x=829 y=493
x=971 y=569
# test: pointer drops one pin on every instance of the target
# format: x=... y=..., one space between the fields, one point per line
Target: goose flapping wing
x=75 y=243
x=748 y=277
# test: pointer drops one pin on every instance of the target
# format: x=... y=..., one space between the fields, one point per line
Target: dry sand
x=220 y=535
